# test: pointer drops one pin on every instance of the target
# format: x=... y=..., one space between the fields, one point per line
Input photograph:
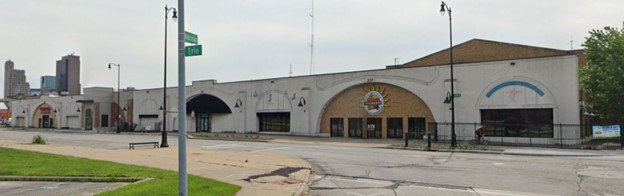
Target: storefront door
x=203 y=123
x=46 y=122
x=373 y=127
x=355 y=127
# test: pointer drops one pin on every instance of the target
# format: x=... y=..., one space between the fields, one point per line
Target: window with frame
x=336 y=127
x=355 y=127
x=274 y=122
x=535 y=123
x=416 y=128
x=104 y=120
x=395 y=127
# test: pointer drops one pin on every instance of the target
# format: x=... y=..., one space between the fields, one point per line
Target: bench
x=132 y=144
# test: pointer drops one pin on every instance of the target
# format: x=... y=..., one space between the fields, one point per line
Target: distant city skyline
x=246 y=40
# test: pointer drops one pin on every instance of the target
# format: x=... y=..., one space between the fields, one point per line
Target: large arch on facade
x=273 y=111
x=375 y=110
x=518 y=107
x=204 y=109
x=44 y=116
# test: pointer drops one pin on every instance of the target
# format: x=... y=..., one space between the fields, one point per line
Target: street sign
x=195 y=50
x=190 y=38
x=455 y=95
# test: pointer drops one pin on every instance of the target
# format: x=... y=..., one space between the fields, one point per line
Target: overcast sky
x=256 y=39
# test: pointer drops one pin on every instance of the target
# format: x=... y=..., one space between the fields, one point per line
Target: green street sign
x=193 y=50
x=190 y=37
x=457 y=95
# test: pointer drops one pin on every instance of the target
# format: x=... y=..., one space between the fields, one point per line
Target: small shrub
x=38 y=139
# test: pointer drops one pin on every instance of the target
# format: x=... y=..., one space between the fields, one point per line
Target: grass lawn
x=26 y=163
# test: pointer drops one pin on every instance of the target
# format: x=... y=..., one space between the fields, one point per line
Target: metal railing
x=539 y=135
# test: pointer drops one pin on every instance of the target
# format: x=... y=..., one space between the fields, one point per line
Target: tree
x=602 y=78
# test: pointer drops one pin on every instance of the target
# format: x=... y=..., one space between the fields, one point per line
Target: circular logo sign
x=373 y=102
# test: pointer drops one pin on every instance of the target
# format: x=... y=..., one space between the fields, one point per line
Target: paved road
x=374 y=171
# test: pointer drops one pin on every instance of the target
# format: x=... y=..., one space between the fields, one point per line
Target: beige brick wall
x=400 y=103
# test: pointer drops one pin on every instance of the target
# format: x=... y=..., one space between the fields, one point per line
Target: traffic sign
x=190 y=38
x=195 y=50
x=455 y=95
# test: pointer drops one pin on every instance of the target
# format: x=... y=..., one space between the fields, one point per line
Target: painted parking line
x=362 y=194
x=220 y=146
x=269 y=149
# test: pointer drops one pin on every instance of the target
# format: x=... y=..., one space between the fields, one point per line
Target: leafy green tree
x=602 y=78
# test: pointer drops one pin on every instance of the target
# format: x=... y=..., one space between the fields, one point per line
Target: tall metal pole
x=118 y=103
x=183 y=184
x=163 y=142
x=453 y=136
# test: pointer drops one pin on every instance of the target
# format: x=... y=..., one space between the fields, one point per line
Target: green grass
x=26 y=163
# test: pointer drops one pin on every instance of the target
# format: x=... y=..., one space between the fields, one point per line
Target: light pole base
x=163 y=143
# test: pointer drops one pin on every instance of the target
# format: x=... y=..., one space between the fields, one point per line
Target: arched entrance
x=376 y=110
x=202 y=109
x=44 y=117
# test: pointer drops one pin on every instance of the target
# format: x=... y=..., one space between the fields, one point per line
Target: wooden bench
x=132 y=144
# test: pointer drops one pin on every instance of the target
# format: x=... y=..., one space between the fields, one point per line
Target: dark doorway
x=355 y=127
x=416 y=128
x=336 y=127
x=395 y=127
x=373 y=127
x=45 y=122
x=203 y=123
x=88 y=120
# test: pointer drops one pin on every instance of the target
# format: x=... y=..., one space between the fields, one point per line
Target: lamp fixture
x=238 y=104
x=447 y=100
x=302 y=102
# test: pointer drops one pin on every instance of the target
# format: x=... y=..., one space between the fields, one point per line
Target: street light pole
x=118 y=92
x=163 y=142
x=443 y=8
x=182 y=173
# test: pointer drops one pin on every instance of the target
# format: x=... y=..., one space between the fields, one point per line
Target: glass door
x=203 y=123
x=373 y=127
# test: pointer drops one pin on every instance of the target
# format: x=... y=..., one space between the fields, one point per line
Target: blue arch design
x=515 y=83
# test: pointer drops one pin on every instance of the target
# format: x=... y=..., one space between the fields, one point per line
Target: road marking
x=505 y=193
x=220 y=146
x=269 y=149
x=374 y=194
x=366 y=181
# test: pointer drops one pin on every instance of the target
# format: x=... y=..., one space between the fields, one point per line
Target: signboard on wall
x=606 y=131
x=374 y=101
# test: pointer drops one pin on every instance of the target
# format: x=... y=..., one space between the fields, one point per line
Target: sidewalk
x=258 y=173
x=399 y=144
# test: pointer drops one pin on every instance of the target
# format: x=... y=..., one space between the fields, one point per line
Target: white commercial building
x=525 y=95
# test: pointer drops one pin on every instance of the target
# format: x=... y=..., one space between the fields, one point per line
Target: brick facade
x=478 y=50
x=400 y=103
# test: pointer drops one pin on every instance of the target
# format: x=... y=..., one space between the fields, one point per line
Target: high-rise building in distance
x=14 y=81
x=48 y=84
x=68 y=75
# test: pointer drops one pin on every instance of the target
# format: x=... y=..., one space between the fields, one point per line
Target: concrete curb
x=305 y=185
x=499 y=152
x=73 y=179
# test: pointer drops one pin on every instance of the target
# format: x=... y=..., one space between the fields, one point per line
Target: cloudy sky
x=255 y=39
